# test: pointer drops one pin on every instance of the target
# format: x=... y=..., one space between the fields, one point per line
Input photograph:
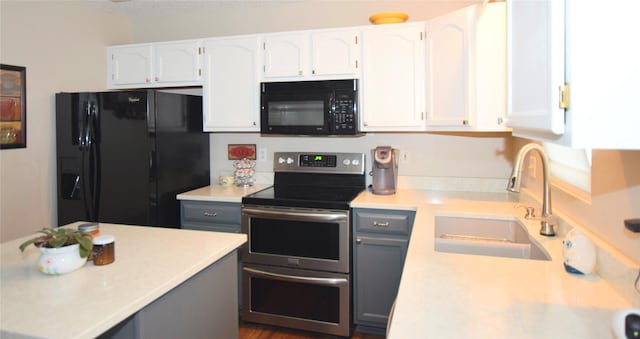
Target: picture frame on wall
x=13 y=107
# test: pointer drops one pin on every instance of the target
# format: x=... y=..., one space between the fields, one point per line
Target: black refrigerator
x=123 y=156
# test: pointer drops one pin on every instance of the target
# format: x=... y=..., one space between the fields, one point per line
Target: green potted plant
x=62 y=249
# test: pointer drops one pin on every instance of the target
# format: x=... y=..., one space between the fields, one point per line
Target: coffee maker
x=384 y=161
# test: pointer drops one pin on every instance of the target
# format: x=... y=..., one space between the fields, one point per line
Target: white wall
x=247 y=17
x=484 y=156
x=62 y=46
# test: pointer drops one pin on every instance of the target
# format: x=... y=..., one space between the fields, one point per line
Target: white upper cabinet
x=335 y=53
x=129 y=66
x=231 y=89
x=177 y=62
x=535 y=62
x=556 y=42
x=393 y=81
x=466 y=80
x=450 y=69
x=162 y=64
x=286 y=55
x=311 y=55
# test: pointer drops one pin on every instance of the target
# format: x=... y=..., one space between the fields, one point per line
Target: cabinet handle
x=210 y=214
x=358 y=241
x=381 y=224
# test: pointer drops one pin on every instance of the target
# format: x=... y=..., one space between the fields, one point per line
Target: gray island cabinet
x=164 y=283
x=381 y=239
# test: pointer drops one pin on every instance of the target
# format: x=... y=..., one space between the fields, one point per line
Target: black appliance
x=327 y=107
x=123 y=156
x=297 y=263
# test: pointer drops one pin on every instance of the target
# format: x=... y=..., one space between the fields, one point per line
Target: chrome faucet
x=546 y=220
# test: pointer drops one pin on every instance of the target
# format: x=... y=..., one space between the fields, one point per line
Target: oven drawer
x=211 y=212
x=384 y=221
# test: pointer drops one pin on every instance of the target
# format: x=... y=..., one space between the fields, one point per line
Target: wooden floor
x=258 y=331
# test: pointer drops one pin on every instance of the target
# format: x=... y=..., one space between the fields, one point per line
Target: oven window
x=295 y=238
x=296 y=113
x=297 y=300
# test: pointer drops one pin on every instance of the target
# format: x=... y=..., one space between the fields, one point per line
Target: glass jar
x=92 y=229
x=244 y=172
x=104 y=250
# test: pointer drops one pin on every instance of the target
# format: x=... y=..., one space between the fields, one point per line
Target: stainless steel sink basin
x=486 y=236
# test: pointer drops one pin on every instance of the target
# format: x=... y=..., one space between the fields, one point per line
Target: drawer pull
x=210 y=214
x=381 y=224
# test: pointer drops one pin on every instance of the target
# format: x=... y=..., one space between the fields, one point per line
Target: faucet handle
x=530 y=211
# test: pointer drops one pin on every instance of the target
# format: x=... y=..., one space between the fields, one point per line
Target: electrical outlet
x=533 y=166
x=404 y=157
x=262 y=154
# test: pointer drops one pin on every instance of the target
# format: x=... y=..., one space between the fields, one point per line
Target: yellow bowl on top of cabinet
x=388 y=18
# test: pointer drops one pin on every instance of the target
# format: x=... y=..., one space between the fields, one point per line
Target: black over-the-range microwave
x=327 y=107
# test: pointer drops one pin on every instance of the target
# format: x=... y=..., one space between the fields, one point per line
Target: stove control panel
x=306 y=162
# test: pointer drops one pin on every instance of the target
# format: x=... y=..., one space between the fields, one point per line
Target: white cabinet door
x=556 y=42
x=466 y=69
x=177 y=62
x=129 y=65
x=231 y=89
x=335 y=53
x=286 y=55
x=450 y=69
x=535 y=66
x=164 y=64
x=393 y=90
x=490 y=68
x=311 y=55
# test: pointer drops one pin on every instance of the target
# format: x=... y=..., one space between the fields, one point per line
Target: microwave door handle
x=296 y=279
x=284 y=214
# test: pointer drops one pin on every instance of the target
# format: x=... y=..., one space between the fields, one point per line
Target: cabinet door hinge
x=199 y=72
x=356 y=39
x=356 y=64
x=564 y=96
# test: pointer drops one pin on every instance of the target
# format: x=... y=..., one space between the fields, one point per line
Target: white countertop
x=150 y=261
x=446 y=295
x=220 y=193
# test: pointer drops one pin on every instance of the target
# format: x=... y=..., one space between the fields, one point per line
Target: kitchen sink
x=486 y=236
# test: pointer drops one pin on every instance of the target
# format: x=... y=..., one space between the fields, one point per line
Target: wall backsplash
x=483 y=155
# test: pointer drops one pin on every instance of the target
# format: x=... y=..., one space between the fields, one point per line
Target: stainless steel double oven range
x=297 y=262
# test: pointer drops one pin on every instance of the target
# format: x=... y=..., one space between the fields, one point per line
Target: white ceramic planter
x=60 y=260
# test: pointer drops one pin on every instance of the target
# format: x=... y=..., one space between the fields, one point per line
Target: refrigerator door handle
x=90 y=164
x=84 y=130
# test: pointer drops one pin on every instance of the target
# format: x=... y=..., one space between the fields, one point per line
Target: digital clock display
x=318 y=160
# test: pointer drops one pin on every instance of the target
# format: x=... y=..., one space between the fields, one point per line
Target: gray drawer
x=384 y=221
x=211 y=212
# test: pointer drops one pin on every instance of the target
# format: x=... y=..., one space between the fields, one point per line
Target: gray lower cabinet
x=214 y=216
x=381 y=239
x=210 y=216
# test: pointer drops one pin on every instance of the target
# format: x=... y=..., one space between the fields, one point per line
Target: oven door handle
x=287 y=214
x=297 y=279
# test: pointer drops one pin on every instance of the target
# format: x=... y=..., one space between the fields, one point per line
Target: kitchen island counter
x=447 y=295
x=150 y=264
